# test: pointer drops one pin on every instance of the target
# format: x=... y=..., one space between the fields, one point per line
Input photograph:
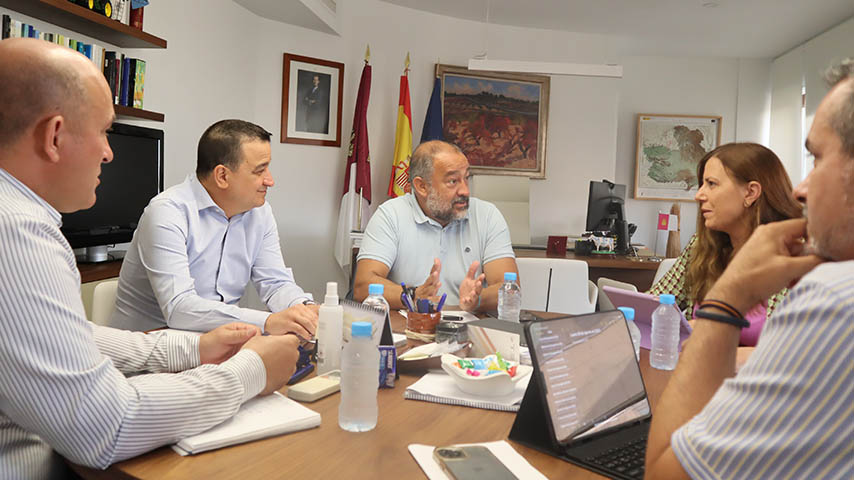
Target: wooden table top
x=330 y=452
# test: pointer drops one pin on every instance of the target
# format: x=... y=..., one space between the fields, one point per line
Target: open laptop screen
x=588 y=370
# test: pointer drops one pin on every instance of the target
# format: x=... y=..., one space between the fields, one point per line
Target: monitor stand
x=99 y=254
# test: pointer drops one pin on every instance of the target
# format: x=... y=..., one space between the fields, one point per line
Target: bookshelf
x=74 y=17
x=65 y=14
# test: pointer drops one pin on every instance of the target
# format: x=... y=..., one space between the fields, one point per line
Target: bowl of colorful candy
x=490 y=376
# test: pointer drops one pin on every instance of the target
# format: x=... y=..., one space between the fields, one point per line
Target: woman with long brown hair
x=742 y=185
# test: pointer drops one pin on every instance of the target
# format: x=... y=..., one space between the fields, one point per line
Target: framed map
x=499 y=120
x=669 y=149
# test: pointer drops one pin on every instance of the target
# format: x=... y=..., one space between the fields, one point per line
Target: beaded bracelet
x=723 y=318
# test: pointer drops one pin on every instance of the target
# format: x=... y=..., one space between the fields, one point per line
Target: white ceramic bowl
x=495 y=385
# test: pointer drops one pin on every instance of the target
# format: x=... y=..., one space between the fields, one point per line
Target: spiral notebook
x=440 y=388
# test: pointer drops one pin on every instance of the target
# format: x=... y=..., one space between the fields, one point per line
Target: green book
x=139 y=83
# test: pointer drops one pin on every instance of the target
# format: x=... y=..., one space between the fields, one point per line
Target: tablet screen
x=589 y=372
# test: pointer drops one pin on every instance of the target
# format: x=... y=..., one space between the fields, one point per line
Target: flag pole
x=359 y=211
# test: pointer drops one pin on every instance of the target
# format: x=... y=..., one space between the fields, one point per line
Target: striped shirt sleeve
x=56 y=384
x=789 y=412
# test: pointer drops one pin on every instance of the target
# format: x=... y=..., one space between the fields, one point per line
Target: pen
x=441 y=302
x=404 y=297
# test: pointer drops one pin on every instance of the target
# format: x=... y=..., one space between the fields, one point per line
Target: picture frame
x=499 y=120
x=669 y=148
x=311 y=101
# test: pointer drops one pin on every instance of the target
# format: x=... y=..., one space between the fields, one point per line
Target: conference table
x=328 y=452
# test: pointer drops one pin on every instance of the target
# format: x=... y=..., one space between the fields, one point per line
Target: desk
x=92 y=272
x=638 y=271
x=329 y=452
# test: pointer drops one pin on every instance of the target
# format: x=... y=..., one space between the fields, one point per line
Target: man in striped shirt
x=789 y=412
x=62 y=386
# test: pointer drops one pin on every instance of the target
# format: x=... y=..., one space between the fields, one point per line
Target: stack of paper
x=258 y=418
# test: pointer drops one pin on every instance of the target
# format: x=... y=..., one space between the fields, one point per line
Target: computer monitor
x=128 y=183
x=605 y=205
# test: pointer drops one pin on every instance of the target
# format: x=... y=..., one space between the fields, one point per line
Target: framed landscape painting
x=499 y=120
x=669 y=149
x=311 y=101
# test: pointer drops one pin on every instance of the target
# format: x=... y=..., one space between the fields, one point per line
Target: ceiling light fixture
x=481 y=62
x=548 y=68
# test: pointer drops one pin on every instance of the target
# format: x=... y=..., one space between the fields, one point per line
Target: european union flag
x=433 y=121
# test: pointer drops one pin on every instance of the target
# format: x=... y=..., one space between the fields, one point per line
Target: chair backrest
x=556 y=285
x=534 y=276
x=663 y=267
x=104 y=301
x=571 y=290
x=604 y=301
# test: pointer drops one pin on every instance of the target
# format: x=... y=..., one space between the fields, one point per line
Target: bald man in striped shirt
x=789 y=413
x=62 y=383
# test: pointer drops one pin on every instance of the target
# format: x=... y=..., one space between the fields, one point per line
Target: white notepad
x=258 y=418
x=440 y=388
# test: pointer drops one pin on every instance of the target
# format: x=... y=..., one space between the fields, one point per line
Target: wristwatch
x=309 y=302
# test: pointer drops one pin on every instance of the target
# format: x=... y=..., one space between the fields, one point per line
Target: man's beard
x=444 y=212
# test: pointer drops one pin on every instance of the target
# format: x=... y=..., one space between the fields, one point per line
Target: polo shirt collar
x=420 y=217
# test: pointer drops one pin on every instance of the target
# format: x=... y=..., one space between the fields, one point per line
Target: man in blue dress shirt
x=437 y=238
x=199 y=244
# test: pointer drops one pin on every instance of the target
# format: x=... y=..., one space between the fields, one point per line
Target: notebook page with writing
x=258 y=418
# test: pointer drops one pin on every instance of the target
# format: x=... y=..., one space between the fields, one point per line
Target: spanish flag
x=399 y=183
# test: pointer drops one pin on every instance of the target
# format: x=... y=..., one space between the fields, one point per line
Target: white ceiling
x=729 y=28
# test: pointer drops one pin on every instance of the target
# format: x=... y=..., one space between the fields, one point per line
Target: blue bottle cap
x=667 y=299
x=509 y=276
x=628 y=312
x=361 y=329
x=376 y=289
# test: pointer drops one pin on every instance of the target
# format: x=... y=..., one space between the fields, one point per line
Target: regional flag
x=399 y=182
x=354 y=212
x=667 y=222
x=433 y=120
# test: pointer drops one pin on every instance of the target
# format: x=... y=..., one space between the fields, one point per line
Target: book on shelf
x=125 y=75
x=139 y=83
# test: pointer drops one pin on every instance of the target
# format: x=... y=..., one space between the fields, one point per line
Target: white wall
x=224 y=62
x=802 y=67
x=229 y=64
x=668 y=85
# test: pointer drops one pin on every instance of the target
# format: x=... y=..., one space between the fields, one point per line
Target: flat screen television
x=128 y=183
x=605 y=205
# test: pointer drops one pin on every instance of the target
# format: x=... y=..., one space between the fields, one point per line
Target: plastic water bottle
x=509 y=298
x=634 y=331
x=360 y=367
x=330 y=326
x=377 y=300
x=665 y=334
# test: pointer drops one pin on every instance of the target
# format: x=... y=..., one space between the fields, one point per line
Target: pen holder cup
x=423 y=322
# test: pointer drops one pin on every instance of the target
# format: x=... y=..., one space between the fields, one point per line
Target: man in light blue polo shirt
x=437 y=238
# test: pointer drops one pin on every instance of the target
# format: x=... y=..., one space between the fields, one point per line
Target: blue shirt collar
x=27 y=192
x=200 y=194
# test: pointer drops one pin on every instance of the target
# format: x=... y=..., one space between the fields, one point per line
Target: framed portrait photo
x=499 y=120
x=311 y=101
x=669 y=149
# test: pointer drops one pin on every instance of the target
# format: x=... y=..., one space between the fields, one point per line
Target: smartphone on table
x=474 y=462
